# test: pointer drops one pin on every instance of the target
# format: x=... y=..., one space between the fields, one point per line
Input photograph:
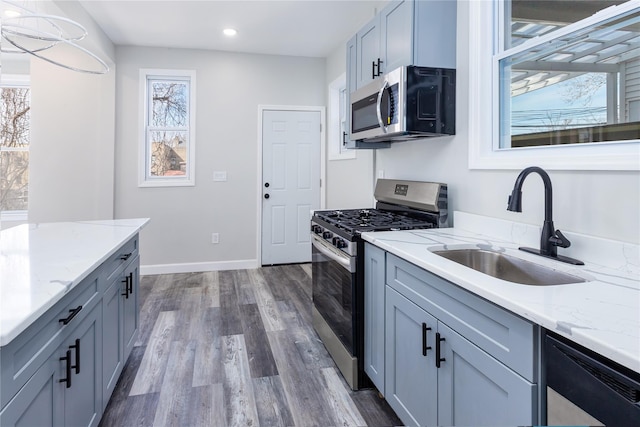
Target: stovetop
x=355 y=221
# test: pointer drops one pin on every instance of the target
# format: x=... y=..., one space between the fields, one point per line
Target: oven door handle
x=331 y=253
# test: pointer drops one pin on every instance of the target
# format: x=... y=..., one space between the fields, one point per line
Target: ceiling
x=312 y=28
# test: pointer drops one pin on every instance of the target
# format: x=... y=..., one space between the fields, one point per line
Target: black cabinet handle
x=76 y=346
x=344 y=139
x=425 y=328
x=126 y=287
x=130 y=284
x=373 y=70
x=438 y=358
x=72 y=313
x=68 y=369
x=125 y=257
x=379 y=68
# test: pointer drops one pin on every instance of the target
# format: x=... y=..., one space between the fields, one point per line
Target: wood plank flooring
x=235 y=348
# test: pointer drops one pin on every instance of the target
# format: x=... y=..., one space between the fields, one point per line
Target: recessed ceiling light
x=229 y=32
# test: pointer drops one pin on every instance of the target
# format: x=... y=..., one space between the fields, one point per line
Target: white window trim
x=336 y=150
x=14 y=80
x=144 y=180
x=484 y=19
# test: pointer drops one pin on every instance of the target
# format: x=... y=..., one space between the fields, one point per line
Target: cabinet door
x=112 y=341
x=396 y=35
x=368 y=52
x=39 y=402
x=374 y=284
x=410 y=376
x=476 y=389
x=83 y=400
x=130 y=308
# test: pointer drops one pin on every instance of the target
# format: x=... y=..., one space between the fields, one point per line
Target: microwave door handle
x=385 y=85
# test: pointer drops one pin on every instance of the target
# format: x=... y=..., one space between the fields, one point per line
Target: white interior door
x=290 y=183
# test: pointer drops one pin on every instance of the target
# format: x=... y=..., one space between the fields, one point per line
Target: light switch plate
x=219 y=175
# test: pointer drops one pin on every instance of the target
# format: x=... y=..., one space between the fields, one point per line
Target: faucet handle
x=558 y=239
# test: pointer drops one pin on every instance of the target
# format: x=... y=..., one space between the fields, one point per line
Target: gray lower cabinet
x=120 y=324
x=374 y=284
x=434 y=376
x=442 y=355
x=62 y=370
x=66 y=389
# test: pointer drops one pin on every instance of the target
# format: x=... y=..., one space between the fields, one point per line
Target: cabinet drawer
x=22 y=357
x=121 y=257
x=502 y=334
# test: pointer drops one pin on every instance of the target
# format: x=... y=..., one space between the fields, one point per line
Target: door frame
x=323 y=149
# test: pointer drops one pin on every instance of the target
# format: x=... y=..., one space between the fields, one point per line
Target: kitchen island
x=68 y=318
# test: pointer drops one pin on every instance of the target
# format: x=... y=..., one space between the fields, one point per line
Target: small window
x=14 y=147
x=168 y=148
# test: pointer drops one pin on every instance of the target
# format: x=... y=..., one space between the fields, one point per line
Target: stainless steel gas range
x=338 y=263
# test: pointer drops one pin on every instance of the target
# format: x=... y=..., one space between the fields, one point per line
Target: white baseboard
x=197 y=267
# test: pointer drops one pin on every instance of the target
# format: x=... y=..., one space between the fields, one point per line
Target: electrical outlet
x=215 y=238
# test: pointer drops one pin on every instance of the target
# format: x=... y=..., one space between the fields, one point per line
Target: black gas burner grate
x=361 y=220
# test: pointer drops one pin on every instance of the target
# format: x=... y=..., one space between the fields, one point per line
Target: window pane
x=15 y=116
x=169 y=103
x=579 y=88
x=530 y=18
x=168 y=153
x=14 y=180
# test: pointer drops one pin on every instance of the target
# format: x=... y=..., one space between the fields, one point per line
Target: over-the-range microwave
x=407 y=103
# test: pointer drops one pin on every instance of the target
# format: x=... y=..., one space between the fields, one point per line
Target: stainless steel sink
x=506 y=267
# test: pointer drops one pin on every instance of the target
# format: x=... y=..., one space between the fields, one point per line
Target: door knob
x=266 y=184
x=266 y=196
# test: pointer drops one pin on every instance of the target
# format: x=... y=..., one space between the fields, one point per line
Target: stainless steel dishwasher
x=584 y=388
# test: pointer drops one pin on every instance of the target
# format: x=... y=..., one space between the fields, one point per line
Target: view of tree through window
x=168 y=127
x=14 y=148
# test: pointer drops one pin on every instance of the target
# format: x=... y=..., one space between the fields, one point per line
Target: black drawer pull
x=68 y=369
x=72 y=313
x=125 y=257
x=425 y=328
x=76 y=346
x=438 y=358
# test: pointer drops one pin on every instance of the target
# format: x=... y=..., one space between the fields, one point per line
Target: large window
x=168 y=153
x=568 y=77
x=14 y=146
x=565 y=89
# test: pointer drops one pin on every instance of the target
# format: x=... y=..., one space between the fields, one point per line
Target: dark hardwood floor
x=235 y=348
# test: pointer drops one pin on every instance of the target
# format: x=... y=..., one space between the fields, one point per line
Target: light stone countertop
x=40 y=263
x=602 y=314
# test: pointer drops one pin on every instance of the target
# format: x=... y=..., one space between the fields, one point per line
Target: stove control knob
x=316 y=229
x=327 y=234
x=340 y=244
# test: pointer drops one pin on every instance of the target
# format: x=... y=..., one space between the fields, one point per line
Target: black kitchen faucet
x=550 y=238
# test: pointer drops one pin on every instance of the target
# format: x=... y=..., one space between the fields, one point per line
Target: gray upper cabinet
x=368 y=53
x=374 y=288
x=405 y=32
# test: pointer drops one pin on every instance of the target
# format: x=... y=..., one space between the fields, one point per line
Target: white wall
x=72 y=132
x=230 y=86
x=349 y=181
x=604 y=204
